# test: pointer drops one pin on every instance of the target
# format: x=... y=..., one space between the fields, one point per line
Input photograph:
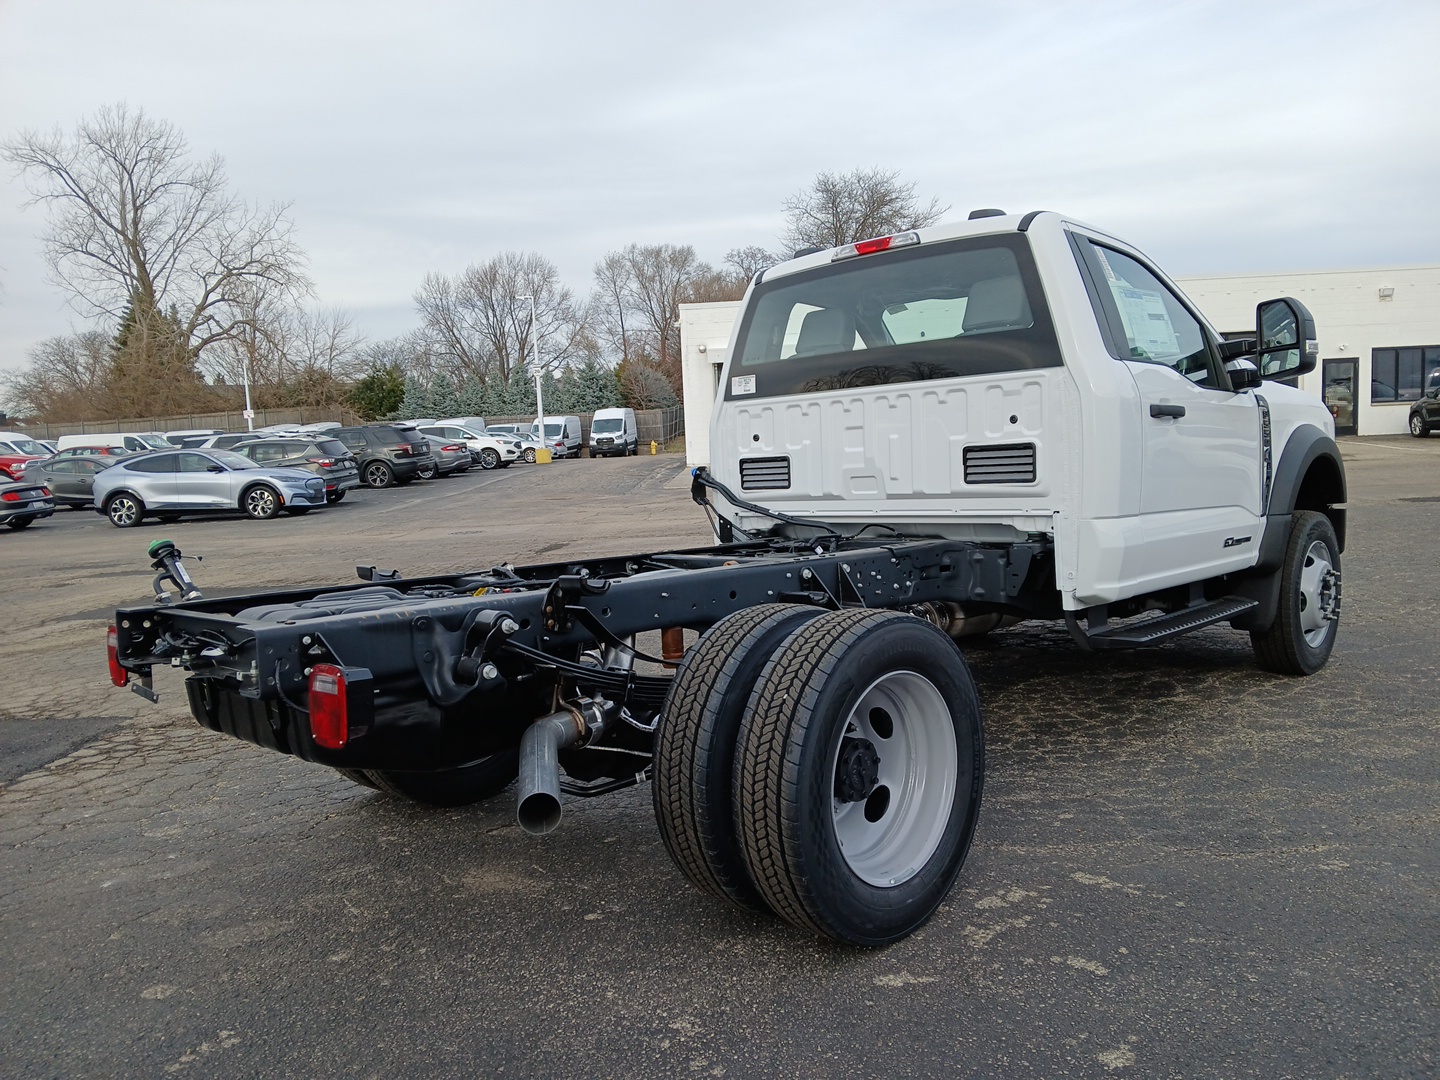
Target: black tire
x=298 y=511
x=864 y=724
x=1301 y=638
x=1418 y=427
x=506 y=464
x=261 y=502
x=428 y=472
x=335 y=497
x=167 y=519
x=20 y=523
x=377 y=474
x=452 y=787
x=695 y=747
x=489 y=458
x=124 y=510
x=358 y=776
x=592 y=455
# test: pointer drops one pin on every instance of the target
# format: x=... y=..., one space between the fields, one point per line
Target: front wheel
x=125 y=511
x=260 y=502
x=1418 y=427
x=1301 y=638
x=297 y=511
x=452 y=787
x=530 y=457
x=489 y=458
x=858 y=775
x=334 y=497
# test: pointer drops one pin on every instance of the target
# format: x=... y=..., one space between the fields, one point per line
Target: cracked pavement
x=1184 y=866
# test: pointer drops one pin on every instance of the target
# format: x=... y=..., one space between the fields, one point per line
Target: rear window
x=963 y=307
x=408 y=435
x=332 y=447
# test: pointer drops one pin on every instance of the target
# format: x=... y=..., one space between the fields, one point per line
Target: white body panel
x=1134 y=503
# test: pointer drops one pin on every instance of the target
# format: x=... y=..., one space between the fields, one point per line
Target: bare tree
x=638 y=292
x=479 y=321
x=841 y=208
x=67 y=377
x=746 y=262
x=140 y=236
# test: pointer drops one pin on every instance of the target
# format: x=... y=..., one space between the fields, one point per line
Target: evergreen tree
x=472 y=398
x=444 y=401
x=592 y=386
x=416 y=400
x=379 y=393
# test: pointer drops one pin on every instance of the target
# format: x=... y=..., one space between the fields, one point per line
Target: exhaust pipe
x=538 y=809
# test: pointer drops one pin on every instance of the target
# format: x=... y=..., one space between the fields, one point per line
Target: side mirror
x=214 y=468
x=1285 y=331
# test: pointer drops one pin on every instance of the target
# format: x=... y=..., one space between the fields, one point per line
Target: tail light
x=453 y=448
x=329 y=706
x=323 y=462
x=118 y=675
x=10 y=496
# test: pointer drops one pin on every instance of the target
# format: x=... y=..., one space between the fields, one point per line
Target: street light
x=539 y=391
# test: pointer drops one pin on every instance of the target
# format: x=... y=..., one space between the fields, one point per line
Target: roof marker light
x=878 y=244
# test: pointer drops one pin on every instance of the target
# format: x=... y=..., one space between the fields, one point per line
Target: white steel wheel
x=1307 y=620
x=895 y=773
x=858 y=775
x=1319 y=594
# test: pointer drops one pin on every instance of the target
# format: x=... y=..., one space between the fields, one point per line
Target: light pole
x=539 y=391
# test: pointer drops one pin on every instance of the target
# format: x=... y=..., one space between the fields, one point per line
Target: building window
x=1403 y=374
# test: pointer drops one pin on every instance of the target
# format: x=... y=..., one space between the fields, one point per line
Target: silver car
x=169 y=484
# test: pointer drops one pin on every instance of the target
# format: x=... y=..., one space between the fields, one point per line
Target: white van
x=614 y=431
x=562 y=435
x=136 y=442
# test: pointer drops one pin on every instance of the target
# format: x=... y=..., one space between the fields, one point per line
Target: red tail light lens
x=10 y=496
x=871 y=247
x=454 y=448
x=329 y=707
x=118 y=675
x=323 y=462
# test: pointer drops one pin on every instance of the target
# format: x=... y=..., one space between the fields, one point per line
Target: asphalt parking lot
x=1184 y=867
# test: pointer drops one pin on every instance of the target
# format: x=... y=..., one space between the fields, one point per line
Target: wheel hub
x=858 y=770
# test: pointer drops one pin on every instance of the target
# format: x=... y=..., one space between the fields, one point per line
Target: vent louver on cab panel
x=1012 y=463
x=764 y=473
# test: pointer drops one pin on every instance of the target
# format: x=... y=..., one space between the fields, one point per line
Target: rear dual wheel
x=856 y=774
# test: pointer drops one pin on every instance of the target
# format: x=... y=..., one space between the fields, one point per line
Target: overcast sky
x=413 y=137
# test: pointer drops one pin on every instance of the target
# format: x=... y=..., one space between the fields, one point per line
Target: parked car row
x=129 y=476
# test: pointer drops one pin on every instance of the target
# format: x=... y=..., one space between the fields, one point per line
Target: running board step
x=1160 y=628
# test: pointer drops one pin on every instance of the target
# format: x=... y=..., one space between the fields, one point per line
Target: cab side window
x=1143 y=320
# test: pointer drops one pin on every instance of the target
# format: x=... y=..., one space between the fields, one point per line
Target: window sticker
x=742 y=384
x=1147 y=323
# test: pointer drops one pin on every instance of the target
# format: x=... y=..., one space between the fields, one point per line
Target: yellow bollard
x=654 y=447
x=543 y=456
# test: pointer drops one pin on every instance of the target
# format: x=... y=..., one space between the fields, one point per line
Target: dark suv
x=330 y=459
x=387 y=453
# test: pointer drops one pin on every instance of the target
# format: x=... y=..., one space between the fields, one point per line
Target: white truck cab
x=1012 y=377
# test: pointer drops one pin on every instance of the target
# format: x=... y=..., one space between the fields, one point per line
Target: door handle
x=1176 y=411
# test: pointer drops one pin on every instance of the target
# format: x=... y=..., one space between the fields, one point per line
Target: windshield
x=602 y=427
x=155 y=442
x=26 y=446
x=963 y=307
x=232 y=460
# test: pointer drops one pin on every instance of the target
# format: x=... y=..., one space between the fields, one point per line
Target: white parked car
x=489 y=451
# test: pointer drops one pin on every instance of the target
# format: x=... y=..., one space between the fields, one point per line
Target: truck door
x=1200 y=442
